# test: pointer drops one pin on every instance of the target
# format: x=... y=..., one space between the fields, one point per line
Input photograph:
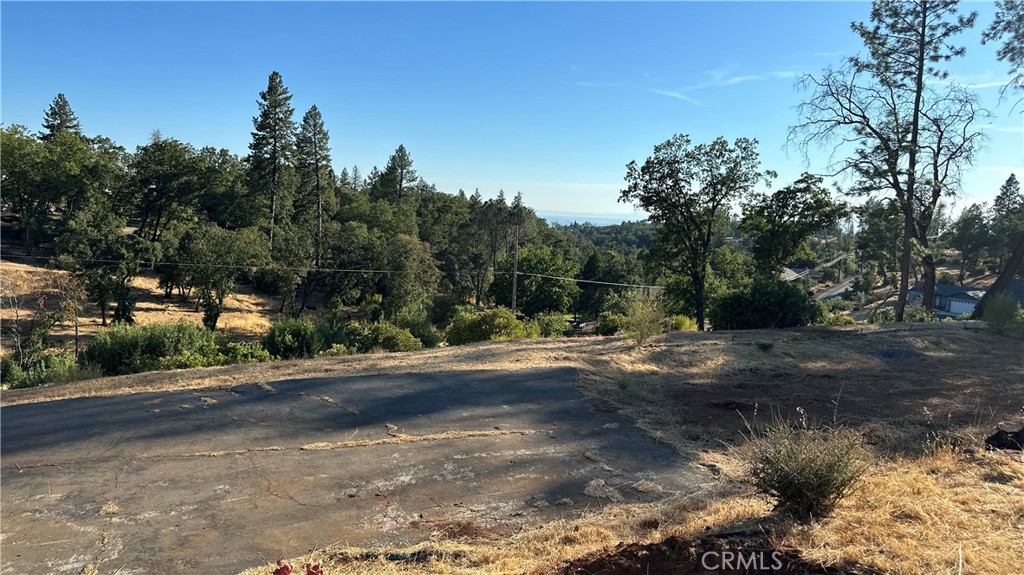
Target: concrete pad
x=223 y=480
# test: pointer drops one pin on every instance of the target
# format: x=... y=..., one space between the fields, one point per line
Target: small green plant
x=682 y=323
x=644 y=315
x=1001 y=313
x=623 y=382
x=807 y=471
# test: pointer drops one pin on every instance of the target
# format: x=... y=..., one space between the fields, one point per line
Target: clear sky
x=548 y=99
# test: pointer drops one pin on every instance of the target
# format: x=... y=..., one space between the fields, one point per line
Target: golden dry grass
x=246 y=314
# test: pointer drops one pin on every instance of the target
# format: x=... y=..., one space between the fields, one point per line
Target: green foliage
x=105 y=259
x=552 y=325
x=883 y=315
x=682 y=323
x=832 y=313
x=126 y=349
x=494 y=324
x=388 y=337
x=292 y=338
x=686 y=190
x=60 y=119
x=537 y=294
x=338 y=350
x=1001 y=313
x=764 y=305
x=609 y=323
x=644 y=316
x=49 y=367
x=917 y=313
x=779 y=224
x=806 y=471
x=244 y=352
x=272 y=178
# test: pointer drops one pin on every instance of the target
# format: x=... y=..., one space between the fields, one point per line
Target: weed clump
x=806 y=470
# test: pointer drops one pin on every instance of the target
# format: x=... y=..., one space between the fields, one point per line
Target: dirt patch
x=678 y=556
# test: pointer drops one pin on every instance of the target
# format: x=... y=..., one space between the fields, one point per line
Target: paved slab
x=222 y=480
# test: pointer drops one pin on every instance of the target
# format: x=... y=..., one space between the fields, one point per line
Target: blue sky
x=548 y=99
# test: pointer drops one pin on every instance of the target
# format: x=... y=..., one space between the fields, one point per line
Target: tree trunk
x=1013 y=265
x=928 y=262
x=698 y=293
x=905 y=256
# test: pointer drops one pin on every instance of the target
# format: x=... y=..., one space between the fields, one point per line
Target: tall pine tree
x=272 y=154
x=316 y=179
x=60 y=118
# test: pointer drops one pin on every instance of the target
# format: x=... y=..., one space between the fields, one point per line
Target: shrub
x=244 y=352
x=338 y=350
x=643 y=318
x=389 y=337
x=11 y=374
x=609 y=323
x=915 y=312
x=807 y=471
x=682 y=323
x=292 y=338
x=132 y=349
x=1001 y=313
x=48 y=367
x=418 y=324
x=552 y=324
x=764 y=305
x=883 y=315
x=494 y=324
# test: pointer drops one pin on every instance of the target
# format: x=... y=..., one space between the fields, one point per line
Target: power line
x=331 y=270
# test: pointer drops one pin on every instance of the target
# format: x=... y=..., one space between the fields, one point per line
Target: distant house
x=950 y=300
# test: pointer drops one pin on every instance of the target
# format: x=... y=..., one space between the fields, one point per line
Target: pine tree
x=271 y=153
x=59 y=118
x=912 y=132
x=396 y=176
x=313 y=154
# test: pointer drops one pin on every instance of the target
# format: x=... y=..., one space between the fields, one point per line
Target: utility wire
x=313 y=269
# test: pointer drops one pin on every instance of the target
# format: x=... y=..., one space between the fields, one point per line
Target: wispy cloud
x=1005 y=129
x=678 y=96
x=719 y=79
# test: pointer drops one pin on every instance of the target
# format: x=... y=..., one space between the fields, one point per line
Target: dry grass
x=247 y=314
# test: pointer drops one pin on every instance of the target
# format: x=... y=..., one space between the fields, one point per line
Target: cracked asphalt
x=224 y=480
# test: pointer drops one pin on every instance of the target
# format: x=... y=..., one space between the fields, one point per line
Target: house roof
x=952 y=291
x=788 y=275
